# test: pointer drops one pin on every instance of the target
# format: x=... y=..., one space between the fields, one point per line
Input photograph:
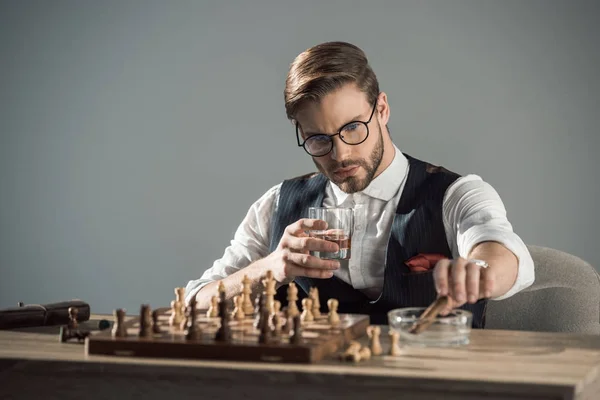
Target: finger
x=298 y=270
x=440 y=277
x=449 y=307
x=473 y=275
x=305 y=224
x=311 y=262
x=488 y=280
x=304 y=244
x=458 y=273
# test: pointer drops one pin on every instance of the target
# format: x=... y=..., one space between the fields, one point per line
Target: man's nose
x=340 y=150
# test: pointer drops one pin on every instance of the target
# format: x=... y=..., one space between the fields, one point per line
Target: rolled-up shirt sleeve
x=474 y=213
x=250 y=243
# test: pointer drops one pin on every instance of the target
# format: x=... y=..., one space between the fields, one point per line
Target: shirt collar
x=385 y=185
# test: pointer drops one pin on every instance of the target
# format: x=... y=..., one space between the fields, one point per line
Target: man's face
x=351 y=167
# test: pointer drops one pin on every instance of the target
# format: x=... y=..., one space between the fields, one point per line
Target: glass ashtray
x=449 y=330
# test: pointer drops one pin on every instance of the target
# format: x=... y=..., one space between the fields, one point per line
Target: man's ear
x=383 y=109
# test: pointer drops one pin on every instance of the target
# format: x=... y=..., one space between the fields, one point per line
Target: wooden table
x=496 y=365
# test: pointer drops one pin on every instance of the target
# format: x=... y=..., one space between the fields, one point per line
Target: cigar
x=429 y=315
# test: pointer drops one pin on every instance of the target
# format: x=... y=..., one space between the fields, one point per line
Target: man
x=406 y=211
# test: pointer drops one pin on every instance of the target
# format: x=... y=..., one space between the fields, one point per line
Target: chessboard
x=266 y=334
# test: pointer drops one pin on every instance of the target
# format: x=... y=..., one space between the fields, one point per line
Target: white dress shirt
x=472 y=211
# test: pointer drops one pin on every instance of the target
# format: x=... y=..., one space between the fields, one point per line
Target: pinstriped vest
x=417 y=228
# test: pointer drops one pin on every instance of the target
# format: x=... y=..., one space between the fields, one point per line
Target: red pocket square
x=423 y=262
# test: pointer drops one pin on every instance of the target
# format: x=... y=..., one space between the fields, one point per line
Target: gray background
x=134 y=135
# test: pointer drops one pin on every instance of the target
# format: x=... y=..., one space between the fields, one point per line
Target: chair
x=565 y=297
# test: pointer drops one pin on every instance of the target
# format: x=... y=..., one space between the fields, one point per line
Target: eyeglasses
x=353 y=133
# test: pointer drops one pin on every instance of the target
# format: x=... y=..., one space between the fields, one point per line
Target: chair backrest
x=565 y=297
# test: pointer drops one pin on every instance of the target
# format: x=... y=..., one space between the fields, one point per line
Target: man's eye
x=351 y=127
x=318 y=138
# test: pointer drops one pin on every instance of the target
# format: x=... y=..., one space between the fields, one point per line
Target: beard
x=354 y=184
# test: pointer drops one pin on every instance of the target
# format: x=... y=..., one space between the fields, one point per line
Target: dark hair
x=324 y=68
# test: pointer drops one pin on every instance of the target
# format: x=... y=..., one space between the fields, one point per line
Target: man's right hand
x=292 y=257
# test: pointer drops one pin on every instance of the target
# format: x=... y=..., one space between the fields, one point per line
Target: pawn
x=373 y=332
x=394 y=347
x=276 y=319
x=213 y=309
x=238 y=310
x=119 y=329
x=333 y=317
x=307 y=315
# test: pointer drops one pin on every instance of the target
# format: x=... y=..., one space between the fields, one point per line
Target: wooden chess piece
x=316 y=304
x=287 y=326
x=119 y=329
x=364 y=353
x=292 y=298
x=224 y=332
x=296 y=337
x=333 y=317
x=276 y=319
x=394 y=340
x=373 y=332
x=155 y=324
x=71 y=330
x=352 y=352
x=145 y=321
x=180 y=297
x=192 y=330
x=73 y=324
x=269 y=283
x=177 y=307
x=265 y=335
x=213 y=309
x=246 y=293
x=307 y=315
x=259 y=305
x=221 y=288
x=238 y=311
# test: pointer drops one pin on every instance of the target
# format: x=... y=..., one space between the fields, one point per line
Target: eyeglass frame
x=331 y=136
